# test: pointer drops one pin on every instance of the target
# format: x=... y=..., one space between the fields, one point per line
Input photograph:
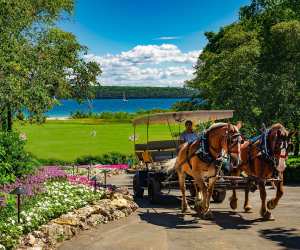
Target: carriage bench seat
x=158 y=150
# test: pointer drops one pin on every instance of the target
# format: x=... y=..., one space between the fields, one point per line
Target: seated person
x=188 y=135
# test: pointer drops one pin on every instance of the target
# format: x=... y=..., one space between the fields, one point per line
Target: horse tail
x=169 y=165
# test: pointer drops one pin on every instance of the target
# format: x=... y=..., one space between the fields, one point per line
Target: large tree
x=38 y=61
x=253 y=65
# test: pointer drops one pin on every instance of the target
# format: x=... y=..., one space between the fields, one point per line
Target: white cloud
x=168 y=38
x=155 y=65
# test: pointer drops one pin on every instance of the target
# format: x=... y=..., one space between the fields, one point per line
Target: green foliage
x=110 y=158
x=193 y=104
x=39 y=61
x=14 y=160
x=292 y=172
x=253 y=65
x=107 y=116
x=293 y=162
x=114 y=116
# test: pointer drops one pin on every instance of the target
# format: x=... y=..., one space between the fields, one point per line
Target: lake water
x=111 y=105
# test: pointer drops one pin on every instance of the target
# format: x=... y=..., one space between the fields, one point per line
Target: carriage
x=153 y=154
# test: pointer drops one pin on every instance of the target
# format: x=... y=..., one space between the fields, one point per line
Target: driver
x=188 y=135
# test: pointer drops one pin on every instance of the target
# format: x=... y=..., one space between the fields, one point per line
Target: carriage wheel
x=219 y=195
x=138 y=191
x=154 y=190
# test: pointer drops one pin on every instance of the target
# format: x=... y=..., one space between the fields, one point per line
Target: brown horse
x=221 y=137
x=261 y=166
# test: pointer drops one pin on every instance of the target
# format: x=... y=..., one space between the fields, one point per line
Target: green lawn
x=68 y=140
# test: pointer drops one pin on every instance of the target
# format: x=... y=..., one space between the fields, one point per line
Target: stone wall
x=116 y=205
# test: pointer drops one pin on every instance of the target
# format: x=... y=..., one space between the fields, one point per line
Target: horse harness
x=209 y=159
x=265 y=153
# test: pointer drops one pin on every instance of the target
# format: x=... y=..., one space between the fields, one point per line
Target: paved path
x=162 y=227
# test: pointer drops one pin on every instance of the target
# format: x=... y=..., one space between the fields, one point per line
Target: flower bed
x=59 y=197
x=33 y=184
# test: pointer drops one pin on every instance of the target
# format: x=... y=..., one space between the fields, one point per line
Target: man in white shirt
x=188 y=135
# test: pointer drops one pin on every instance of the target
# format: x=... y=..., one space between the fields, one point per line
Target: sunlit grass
x=70 y=139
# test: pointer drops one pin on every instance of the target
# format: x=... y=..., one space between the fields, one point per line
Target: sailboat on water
x=124 y=97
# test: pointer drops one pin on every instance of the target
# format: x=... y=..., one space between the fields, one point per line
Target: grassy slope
x=67 y=140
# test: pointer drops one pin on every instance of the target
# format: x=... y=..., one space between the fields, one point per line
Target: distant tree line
x=117 y=92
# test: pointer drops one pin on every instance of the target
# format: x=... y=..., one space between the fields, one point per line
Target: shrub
x=111 y=158
x=14 y=161
x=292 y=172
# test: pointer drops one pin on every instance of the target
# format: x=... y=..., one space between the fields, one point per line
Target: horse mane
x=280 y=127
x=216 y=125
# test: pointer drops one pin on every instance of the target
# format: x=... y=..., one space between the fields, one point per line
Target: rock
x=31 y=240
x=33 y=248
x=128 y=197
x=38 y=234
x=133 y=206
x=85 y=211
x=119 y=203
x=104 y=211
x=127 y=211
x=114 y=195
x=95 y=219
x=67 y=219
x=84 y=226
x=118 y=215
x=53 y=232
x=67 y=232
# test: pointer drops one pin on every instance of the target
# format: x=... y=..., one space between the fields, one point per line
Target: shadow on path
x=169 y=220
x=164 y=217
x=285 y=237
x=233 y=220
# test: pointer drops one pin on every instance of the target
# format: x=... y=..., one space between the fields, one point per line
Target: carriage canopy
x=181 y=116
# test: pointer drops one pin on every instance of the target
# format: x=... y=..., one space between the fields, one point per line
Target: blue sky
x=156 y=41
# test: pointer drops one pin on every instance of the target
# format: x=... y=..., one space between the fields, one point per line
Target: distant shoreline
x=67 y=107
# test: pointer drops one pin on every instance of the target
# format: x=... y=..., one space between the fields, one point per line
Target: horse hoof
x=247 y=208
x=271 y=204
x=208 y=215
x=233 y=203
x=267 y=216
x=186 y=210
x=198 y=204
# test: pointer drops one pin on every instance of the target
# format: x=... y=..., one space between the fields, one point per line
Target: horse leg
x=279 y=192
x=184 y=204
x=264 y=212
x=247 y=207
x=198 y=197
x=233 y=200
x=201 y=195
x=211 y=183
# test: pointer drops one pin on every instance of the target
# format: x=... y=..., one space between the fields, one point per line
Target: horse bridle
x=233 y=140
x=283 y=142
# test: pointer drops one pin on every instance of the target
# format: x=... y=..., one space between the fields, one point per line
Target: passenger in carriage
x=188 y=135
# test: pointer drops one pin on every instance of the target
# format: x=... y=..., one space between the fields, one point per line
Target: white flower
x=23 y=137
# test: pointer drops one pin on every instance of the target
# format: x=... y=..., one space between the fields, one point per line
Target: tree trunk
x=9 y=118
x=297 y=144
